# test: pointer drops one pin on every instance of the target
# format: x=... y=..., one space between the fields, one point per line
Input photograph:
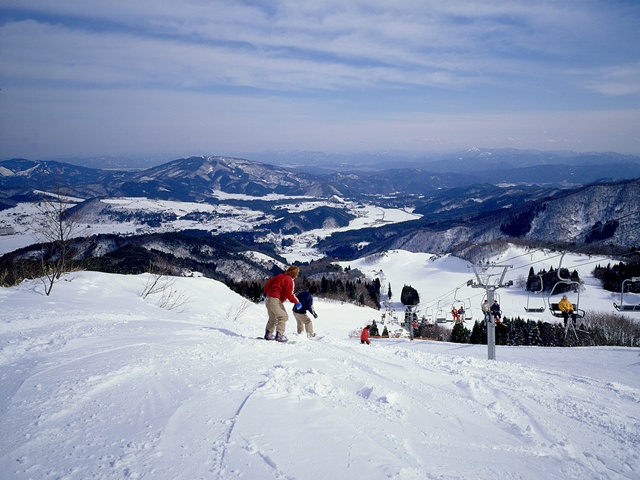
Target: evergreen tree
x=516 y=333
x=532 y=334
x=530 y=279
x=460 y=334
x=324 y=285
x=479 y=333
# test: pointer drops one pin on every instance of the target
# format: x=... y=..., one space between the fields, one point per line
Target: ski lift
x=553 y=307
x=428 y=316
x=537 y=309
x=456 y=302
x=441 y=315
x=466 y=303
x=468 y=312
x=496 y=296
x=629 y=307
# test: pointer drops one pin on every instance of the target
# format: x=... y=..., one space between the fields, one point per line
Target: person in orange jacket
x=278 y=290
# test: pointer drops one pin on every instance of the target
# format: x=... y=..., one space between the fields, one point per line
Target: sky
x=176 y=78
x=98 y=382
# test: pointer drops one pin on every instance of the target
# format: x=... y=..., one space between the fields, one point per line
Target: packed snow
x=100 y=383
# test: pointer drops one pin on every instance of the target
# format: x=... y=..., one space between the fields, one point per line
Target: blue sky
x=88 y=77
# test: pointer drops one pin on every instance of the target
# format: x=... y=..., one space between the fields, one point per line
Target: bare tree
x=238 y=310
x=55 y=228
x=161 y=285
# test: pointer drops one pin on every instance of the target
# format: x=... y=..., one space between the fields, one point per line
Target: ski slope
x=98 y=383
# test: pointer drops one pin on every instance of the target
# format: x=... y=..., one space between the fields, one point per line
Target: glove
x=298 y=306
x=315 y=315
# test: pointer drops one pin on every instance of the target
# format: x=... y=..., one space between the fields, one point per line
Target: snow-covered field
x=98 y=383
x=24 y=218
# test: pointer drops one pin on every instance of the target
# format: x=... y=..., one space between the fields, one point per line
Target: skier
x=485 y=308
x=306 y=305
x=461 y=313
x=277 y=290
x=495 y=311
x=566 y=307
x=454 y=312
x=364 y=336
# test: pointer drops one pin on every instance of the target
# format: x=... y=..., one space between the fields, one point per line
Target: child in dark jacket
x=304 y=306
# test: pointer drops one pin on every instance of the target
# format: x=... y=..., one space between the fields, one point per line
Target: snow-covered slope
x=98 y=383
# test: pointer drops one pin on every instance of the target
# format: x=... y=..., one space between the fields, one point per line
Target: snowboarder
x=306 y=305
x=566 y=307
x=277 y=290
x=364 y=336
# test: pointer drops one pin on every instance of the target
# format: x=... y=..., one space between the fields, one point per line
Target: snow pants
x=304 y=323
x=277 y=316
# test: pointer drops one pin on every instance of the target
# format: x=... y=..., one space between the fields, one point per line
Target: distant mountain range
x=466 y=200
x=194 y=178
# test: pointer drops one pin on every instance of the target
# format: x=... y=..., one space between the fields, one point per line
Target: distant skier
x=496 y=312
x=277 y=290
x=454 y=313
x=300 y=313
x=566 y=307
x=364 y=336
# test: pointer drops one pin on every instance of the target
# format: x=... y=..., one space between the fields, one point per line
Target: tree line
x=597 y=329
x=355 y=291
x=612 y=276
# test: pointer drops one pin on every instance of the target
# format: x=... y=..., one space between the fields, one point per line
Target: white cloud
x=328 y=74
x=618 y=80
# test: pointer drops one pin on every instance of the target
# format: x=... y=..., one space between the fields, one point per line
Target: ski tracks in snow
x=525 y=410
x=340 y=396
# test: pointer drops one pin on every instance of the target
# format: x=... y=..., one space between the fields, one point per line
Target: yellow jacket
x=565 y=306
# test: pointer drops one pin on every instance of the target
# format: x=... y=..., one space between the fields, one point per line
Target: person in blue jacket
x=496 y=312
x=304 y=306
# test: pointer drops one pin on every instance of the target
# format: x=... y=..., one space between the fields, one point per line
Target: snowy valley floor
x=97 y=383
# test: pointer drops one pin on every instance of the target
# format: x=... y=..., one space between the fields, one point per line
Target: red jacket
x=280 y=287
x=364 y=336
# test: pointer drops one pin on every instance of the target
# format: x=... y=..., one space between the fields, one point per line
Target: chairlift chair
x=428 y=316
x=441 y=315
x=628 y=307
x=536 y=309
x=468 y=312
x=553 y=307
x=555 y=310
x=467 y=308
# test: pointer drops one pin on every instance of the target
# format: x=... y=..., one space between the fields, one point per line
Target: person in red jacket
x=364 y=336
x=278 y=290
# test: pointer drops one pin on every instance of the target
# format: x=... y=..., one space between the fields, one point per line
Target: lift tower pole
x=484 y=277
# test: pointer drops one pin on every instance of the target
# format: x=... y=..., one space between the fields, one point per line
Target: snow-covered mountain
x=264 y=203
x=595 y=215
